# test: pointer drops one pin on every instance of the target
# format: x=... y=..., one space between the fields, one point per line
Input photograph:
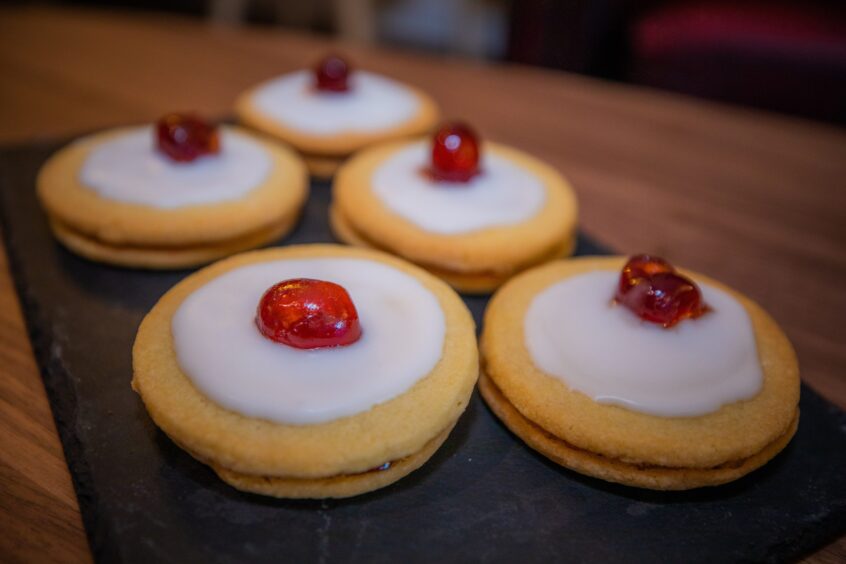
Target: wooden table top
x=753 y=199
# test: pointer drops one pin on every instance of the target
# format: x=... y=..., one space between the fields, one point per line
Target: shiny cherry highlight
x=308 y=314
x=455 y=153
x=640 y=267
x=332 y=74
x=186 y=137
x=655 y=292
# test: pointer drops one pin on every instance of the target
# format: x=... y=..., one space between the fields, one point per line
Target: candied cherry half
x=332 y=74
x=308 y=314
x=455 y=153
x=639 y=267
x=655 y=292
x=186 y=137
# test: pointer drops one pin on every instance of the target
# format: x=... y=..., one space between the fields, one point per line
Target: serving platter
x=484 y=496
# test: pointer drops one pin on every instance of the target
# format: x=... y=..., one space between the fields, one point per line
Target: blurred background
x=787 y=56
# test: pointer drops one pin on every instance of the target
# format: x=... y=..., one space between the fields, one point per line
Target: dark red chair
x=783 y=56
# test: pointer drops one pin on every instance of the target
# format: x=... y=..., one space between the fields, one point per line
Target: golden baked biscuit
x=140 y=235
x=322 y=168
x=164 y=257
x=325 y=150
x=334 y=458
x=135 y=234
x=475 y=261
x=624 y=445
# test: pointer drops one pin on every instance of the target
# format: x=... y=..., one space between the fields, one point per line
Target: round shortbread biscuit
x=343 y=485
x=338 y=145
x=322 y=168
x=615 y=470
x=464 y=282
x=500 y=250
x=156 y=258
x=735 y=432
x=388 y=432
x=114 y=223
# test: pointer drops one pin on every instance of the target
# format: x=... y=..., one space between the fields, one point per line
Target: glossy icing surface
x=576 y=334
x=373 y=103
x=128 y=168
x=502 y=194
x=220 y=349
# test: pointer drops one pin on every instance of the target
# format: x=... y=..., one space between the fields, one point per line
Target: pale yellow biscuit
x=343 y=485
x=116 y=223
x=322 y=168
x=615 y=470
x=464 y=282
x=494 y=253
x=338 y=145
x=737 y=431
x=242 y=445
x=156 y=258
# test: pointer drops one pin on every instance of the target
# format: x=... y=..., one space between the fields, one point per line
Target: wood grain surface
x=754 y=199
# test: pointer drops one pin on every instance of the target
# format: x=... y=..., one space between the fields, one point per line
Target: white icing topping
x=574 y=333
x=503 y=194
x=373 y=103
x=220 y=349
x=128 y=168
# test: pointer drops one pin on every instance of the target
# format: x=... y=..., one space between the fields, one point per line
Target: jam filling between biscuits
x=727 y=465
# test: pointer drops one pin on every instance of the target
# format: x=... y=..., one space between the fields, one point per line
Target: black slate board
x=483 y=497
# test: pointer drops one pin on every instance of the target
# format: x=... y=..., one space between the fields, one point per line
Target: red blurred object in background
x=783 y=55
x=332 y=74
x=788 y=56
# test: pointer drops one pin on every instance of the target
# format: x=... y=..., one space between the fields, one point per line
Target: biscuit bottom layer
x=161 y=257
x=342 y=485
x=614 y=470
x=322 y=167
x=465 y=282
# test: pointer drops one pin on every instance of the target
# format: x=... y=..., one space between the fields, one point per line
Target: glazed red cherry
x=308 y=314
x=455 y=153
x=332 y=74
x=655 y=292
x=642 y=266
x=186 y=137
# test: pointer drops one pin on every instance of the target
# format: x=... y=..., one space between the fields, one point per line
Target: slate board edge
x=63 y=401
